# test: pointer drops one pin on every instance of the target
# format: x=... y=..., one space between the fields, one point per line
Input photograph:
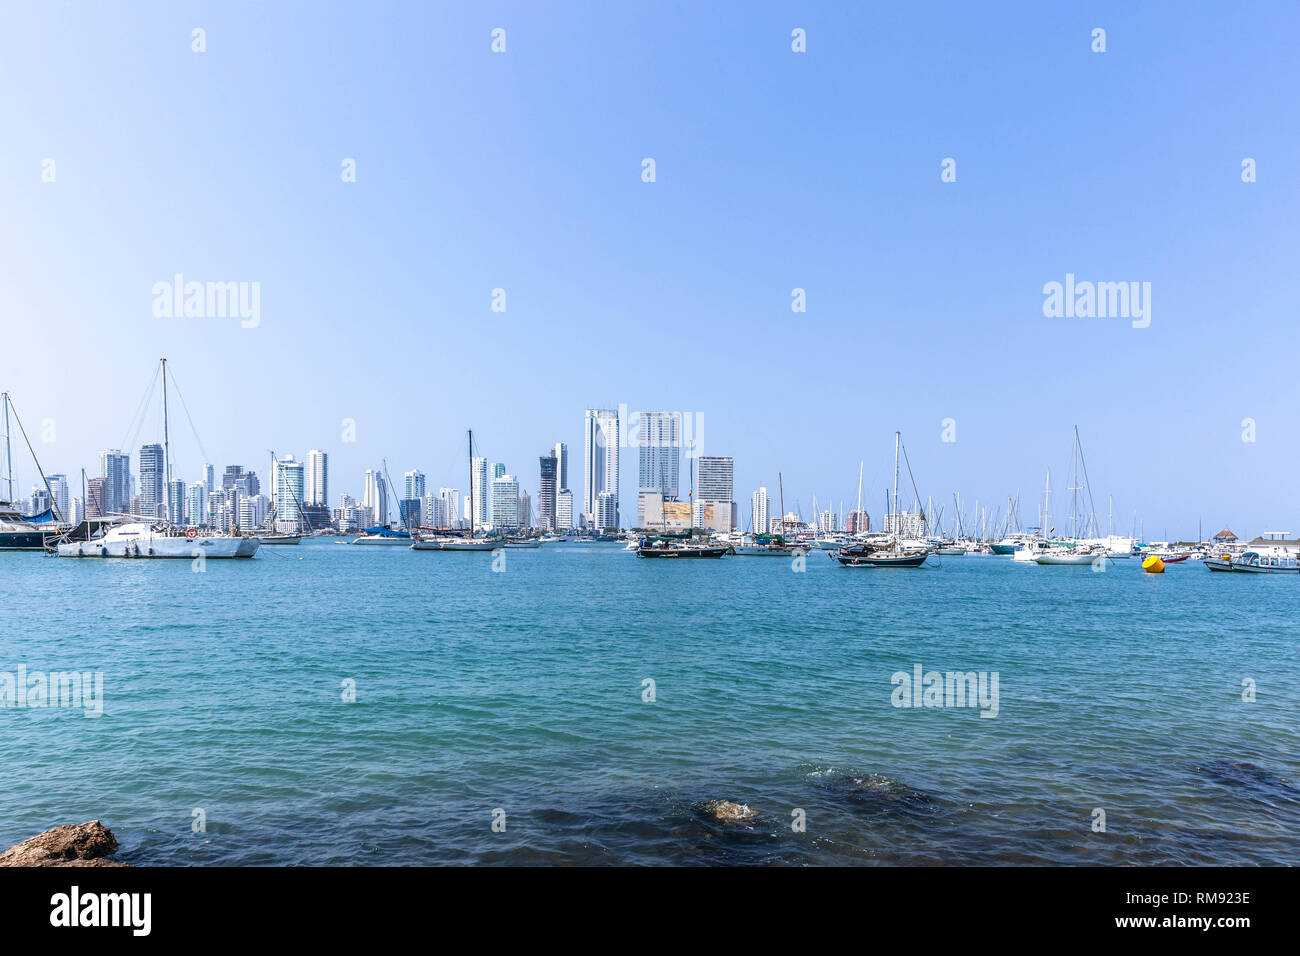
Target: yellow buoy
x=1152 y=564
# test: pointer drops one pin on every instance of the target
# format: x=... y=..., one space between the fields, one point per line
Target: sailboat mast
x=167 y=461
x=780 y=485
x=9 y=457
x=471 y=482
x=897 y=439
x=858 y=519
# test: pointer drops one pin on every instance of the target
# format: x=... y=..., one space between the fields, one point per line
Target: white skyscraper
x=482 y=514
x=288 y=482
x=59 y=490
x=317 y=479
x=564 y=510
x=414 y=484
x=600 y=465
x=450 y=498
x=376 y=496
x=758 y=509
x=196 y=504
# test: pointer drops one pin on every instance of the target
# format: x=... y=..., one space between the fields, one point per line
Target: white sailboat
x=149 y=538
x=1074 y=550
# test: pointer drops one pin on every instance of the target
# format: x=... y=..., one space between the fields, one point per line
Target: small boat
x=280 y=538
x=1252 y=562
x=522 y=543
x=1068 y=555
x=673 y=548
x=853 y=558
x=381 y=535
x=762 y=546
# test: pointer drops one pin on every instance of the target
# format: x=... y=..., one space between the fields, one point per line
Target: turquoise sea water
x=523 y=691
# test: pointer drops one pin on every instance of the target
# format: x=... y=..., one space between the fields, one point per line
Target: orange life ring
x=191 y=532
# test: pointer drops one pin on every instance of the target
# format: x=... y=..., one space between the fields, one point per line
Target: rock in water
x=80 y=844
x=729 y=812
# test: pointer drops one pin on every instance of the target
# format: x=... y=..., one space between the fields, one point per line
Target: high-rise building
x=209 y=476
x=451 y=513
x=659 y=443
x=253 y=510
x=376 y=496
x=414 y=484
x=316 y=478
x=826 y=522
x=410 y=511
x=525 y=510
x=481 y=516
x=601 y=440
x=606 y=510
x=96 y=495
x=115 y=468
x=859 y=522
x=289 y=484
x=235 y=478
x=759 y=504
x=175 y=505
x=59 y=494
x=546 y=492
x=152 y=492
x=432 y=509
x=564 y=510
x=498 y=469
x=196 y=504
x=505 y=503
x=715 y=485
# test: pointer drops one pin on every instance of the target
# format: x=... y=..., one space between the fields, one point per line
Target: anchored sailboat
x=889 y=554
x=152 y=538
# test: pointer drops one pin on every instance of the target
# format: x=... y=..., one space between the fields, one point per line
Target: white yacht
x=141 y=539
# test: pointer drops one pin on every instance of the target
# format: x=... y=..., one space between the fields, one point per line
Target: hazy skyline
x=774 y=171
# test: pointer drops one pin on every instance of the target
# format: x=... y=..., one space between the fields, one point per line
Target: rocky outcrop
x=728 y=812
x=80 y=844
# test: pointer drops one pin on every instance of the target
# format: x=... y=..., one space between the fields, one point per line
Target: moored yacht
x=142 y=539
x=24 y=533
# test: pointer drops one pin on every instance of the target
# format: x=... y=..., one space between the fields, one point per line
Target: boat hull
x=23 y=540
x=681 y=552
x=882 y=561
x=1239 y=567
x=1067 y=559
x=453 y=545
x=156 y=546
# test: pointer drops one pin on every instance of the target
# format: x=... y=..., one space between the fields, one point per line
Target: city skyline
x=816 y=180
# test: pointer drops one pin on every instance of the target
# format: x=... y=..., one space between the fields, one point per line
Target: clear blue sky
x=775 y=170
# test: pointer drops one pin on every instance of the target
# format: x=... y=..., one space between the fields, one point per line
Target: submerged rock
x=1248 y=775
x=728 y=812
x=79 y=844
x=878 y=792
